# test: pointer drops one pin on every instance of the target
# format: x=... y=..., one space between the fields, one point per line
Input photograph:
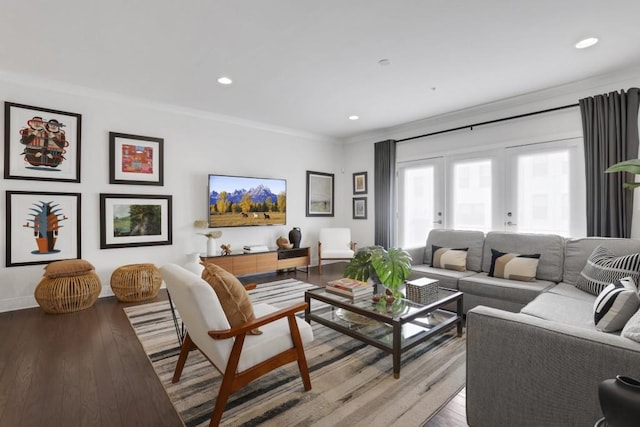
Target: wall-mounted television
x=241 y=201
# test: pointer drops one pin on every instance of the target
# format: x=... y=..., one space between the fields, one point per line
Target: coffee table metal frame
x=416 y=320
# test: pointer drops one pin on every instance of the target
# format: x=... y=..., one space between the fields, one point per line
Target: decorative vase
x=211 y=246
x=295 y=235
x=620 y=401
x=193 y=263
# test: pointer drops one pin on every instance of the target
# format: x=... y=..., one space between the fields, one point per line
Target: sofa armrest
x=522 y=370
x=417 y=255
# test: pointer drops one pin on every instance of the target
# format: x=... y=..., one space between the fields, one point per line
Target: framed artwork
x=359 y=208
x=42 y=227
x=41 y=144
x=135 y=159
x=129 y=220
x=360 y=183
x=319 y=194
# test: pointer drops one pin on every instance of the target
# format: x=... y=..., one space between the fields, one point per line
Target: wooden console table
x=240 y=264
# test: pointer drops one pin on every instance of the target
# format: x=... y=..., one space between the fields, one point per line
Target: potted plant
x=389 y=267
x=630 y=166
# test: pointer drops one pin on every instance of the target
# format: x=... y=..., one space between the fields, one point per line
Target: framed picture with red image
x=135 y=159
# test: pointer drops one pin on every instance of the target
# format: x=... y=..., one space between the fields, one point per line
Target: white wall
x=195 y=144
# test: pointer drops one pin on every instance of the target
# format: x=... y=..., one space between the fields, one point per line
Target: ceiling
x=308 y=65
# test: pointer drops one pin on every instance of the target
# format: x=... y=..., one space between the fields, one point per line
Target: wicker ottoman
x=68 y=286
x=136 y=282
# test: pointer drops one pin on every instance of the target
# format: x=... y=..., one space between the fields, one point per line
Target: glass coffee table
x=394 y=328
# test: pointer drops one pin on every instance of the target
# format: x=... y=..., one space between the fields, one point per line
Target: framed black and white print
x=360 y=183
x=359 y=208
x=319 y=194
x=130 y=220
x=41 y=143
x=135 y=159
x=42 y=227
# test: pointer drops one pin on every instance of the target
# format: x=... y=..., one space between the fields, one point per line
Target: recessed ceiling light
x=354 y=117
x=225 y=81
x=588 y=42
x=384 y=62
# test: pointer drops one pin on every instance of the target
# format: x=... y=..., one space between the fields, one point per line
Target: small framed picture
x=135 y=159
x=359 y=208
x=129 y=220
x=360 y=183
x=41 y=144
x=42 y=227
x=319 y=194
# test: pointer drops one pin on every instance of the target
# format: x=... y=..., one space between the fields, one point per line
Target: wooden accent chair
x=335 y=243
x=238 y=356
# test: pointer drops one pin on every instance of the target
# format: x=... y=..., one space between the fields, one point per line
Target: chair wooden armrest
x=256 y=323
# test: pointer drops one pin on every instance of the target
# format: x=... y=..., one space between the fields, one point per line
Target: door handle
x=438 y=221
x=511 y=224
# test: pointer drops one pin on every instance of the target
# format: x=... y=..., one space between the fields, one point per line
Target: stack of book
x=355 y=289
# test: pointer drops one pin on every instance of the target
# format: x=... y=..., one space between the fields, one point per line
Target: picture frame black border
x=103 y=224
x=366 y=184
x=309 y=213
x=112 y=159
x=355 y=200
x=7 y=142
x=8 y=231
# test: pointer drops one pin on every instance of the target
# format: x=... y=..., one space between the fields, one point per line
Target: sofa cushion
x=604 y=267
x=232 y=295
x=577 y=252
x=474 y=240
x=562 y=309
x=549 y=246
x=447 y=278
x=513 y=266
x=632 y=329
x=448 y=258
x=571 y=291
x=510 y=290
x=615 y=305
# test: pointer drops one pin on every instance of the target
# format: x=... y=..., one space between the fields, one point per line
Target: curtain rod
x=519 y=116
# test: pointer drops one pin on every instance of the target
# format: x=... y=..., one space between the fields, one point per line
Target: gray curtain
x=610 y=127
x=385 y=181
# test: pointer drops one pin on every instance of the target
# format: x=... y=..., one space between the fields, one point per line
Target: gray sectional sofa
x=534 y=356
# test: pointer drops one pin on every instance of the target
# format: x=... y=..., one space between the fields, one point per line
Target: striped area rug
x=352 y=383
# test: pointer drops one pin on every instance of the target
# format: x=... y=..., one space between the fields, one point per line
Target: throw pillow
x=632 y=329
x=451 y=259
x=67 y=268
x=232 y=295
x=615 y=305
x=605 y=267
x=514 y=266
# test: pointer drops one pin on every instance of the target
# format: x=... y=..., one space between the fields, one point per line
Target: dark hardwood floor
x=89 y=369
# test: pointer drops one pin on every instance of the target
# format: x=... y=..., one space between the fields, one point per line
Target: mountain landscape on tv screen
x=258 y=194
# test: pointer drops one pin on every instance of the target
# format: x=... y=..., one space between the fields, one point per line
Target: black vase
x=620 y=401
x=295 y=236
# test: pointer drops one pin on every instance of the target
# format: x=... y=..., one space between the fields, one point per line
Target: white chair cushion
x=337 y=253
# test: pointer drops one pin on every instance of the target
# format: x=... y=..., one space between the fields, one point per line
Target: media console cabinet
x=240 y=264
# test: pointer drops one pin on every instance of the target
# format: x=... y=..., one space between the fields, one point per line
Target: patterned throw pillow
x=514 y=266
x=451 y=259
x=232 y=295
x=615 y=305
x=604 y=267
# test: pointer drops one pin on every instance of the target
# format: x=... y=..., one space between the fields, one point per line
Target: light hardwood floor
x=89 y=369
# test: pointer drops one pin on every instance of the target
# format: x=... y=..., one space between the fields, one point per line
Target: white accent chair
x=238 y=356
x=334 y=244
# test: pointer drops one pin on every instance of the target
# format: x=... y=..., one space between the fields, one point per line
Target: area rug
x=352 y=383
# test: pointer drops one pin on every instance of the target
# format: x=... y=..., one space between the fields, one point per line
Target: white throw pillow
x=615 y=305
x=632 y=329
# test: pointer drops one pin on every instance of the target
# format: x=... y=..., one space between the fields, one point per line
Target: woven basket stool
x=136 y=282
x=57 y=295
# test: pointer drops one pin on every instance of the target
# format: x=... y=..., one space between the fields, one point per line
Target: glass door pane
x=472 y=194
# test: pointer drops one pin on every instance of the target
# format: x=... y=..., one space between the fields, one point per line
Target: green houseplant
x=390 y=267
x=631 y=166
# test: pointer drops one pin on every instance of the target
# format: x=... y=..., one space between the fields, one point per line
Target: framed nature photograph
x=360 y=183
x=129 y=220
x=319 y=194
x=42 y=227
x=41 y=143
x=359 y=208
x=135 y=159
